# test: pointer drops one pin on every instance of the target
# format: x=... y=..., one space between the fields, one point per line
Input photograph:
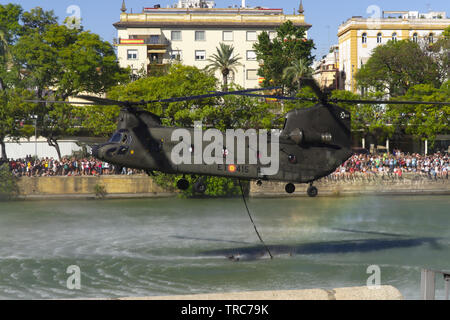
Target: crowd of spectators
x=394 y=165
x=45 y=167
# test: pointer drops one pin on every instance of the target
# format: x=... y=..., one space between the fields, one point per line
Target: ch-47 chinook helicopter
x=312 y=144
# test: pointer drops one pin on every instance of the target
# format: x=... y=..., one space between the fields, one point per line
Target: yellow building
x=190 y=32
x=326 y=71
x=358 y=36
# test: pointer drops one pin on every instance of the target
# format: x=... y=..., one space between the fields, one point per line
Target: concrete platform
x=355 y=293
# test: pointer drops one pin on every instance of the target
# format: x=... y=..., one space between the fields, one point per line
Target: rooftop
x=207 y=16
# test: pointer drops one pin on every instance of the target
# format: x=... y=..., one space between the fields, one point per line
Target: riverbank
x=360 y=184
x=355 y=293
x=141 y=186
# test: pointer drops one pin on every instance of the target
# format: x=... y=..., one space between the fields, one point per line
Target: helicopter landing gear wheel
x=312 y=191
x=199 y=187
x=290 y=188
x=183 y=184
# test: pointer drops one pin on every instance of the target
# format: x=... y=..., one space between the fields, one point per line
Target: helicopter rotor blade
x=310 y=82
x=209 y=95
x=387 y=102
x=61 y=102
x=103 y=101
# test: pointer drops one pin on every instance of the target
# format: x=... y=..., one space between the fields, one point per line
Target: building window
x=132 y=54
x=251 y=55
x=231 y=76
x=200 y=36
x=252 y=74
x=175 y=36
x=227 y=36
x=394 y=36
x=154 y=39
x=415 y=37
x=431 y=38
x=200 y=55
x=251 y=36
x=175 y=55
x=379 y=38
x=364 y=38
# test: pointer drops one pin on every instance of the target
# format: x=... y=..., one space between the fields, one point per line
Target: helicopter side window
x=124 y=138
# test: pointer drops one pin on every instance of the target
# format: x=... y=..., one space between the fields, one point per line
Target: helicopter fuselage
x=312 y=144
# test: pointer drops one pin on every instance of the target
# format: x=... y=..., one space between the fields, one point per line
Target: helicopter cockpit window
x=116 y=138
x=124 y=138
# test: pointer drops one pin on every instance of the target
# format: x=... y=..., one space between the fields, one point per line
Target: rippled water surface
x=177 y=246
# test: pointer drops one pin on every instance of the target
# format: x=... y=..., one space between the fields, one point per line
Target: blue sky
x=324 y=15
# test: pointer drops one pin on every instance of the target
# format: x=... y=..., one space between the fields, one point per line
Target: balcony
x=152 y=42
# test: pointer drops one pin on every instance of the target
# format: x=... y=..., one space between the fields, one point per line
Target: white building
x=39 y=147
x=358 y=36
x=191 y=31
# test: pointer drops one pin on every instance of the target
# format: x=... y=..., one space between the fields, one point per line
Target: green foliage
x=61 y=62
x=440 y=54
x=8 y=184
x=38 y=20
x=298 y=70
x=290 y=45
x=70 y=60
x=366 y=118
x=424 y=121
x=397 y=66
x=100 y=191
x=215 y=186
x=13 y=111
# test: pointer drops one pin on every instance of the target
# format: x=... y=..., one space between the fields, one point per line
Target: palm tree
x=225 y=61
x=297 y=70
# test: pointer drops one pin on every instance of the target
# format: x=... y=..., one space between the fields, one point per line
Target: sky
x=324 y=15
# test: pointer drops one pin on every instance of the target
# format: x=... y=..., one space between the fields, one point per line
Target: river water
x=171 y=246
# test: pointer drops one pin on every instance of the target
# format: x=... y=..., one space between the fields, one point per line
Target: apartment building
x=358 y=36
x=191 y=30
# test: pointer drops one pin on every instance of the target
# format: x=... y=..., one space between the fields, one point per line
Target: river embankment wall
x=361 y=184
x=144 y=186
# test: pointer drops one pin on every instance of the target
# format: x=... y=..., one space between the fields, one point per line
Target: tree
x=276 y=55
x=61 y=62
x=397 y=66
x=299 y=69
x=38 y=20
x=423 y=121
x=10 y=28
x=440 y=52
x=8 y=183
x=13 y=112
x=225 y=61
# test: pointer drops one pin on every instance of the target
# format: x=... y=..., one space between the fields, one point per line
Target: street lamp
x=35 y=117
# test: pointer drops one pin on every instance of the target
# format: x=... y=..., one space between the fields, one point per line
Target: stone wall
x=144 y=186
x=89 y=185
x=359 y=185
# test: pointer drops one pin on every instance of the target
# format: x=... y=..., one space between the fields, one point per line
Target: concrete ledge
x=356 y=293
x=94 y=197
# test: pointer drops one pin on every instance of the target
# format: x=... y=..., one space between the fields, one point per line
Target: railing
x=428 y=283
x=148 y=41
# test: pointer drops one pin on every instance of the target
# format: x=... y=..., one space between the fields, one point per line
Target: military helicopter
x=313 y=143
